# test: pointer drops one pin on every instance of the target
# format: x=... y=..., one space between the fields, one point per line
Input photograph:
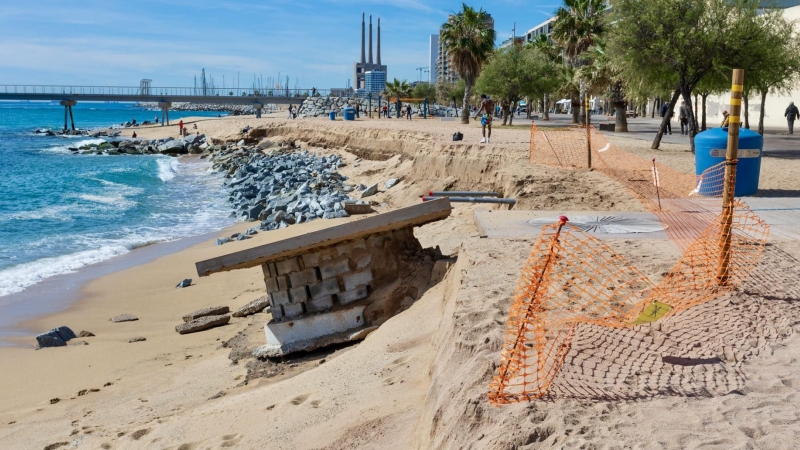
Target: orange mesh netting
x=572 y=278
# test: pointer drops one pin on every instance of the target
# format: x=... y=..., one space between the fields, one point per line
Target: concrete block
x=330 y=269
x=310 y=332
x=292 y=310
x=348 y=248
x=357 y=279
x=328 y=287
x=353 y=295
x=323 y=303
x=279 y=298
x=272 y=284
x=283 y=282
x=287 y=266
x=298 y=294
x=364 y=262
x=304 y=277
x=267 y=269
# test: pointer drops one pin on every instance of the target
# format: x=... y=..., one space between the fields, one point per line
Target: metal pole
x=588 y=133
x=504 y=201
x=462 y=194
x=729 y=190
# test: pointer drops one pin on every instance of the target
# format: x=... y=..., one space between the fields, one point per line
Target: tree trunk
x=655 y=105
x=696 y=113
x=687 y=95
x=621 y=123
x=576 y=109
x=761 y=114
x=665 y=119
x=546 y=109
x=511 y=114
x=465 y=111
x=746 y=110
x=705 y=97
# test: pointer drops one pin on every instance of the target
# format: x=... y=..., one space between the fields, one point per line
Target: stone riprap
x=232 y=110
x=212 y=311
x=203 y=323
x=283 y=187
x=322 y=106
x=57 y=337
x=189 y=144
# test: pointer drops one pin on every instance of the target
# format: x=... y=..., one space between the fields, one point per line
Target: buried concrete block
x=357 y=279
x=292 y=310
x=311 y=332
x=353 y=295
x=328 y=287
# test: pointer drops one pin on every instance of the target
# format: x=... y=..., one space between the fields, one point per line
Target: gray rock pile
x=283 y=187
x=232 y=110
x=322 y=106
x=191 y=143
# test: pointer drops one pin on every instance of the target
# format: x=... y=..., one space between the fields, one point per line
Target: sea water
x=60 y=212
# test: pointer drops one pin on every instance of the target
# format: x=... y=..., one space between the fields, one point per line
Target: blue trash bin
x=710 y=149
x=332 y=115
x=349 y=113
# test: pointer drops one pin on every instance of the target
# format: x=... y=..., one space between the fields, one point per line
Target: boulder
x=124 y=318
x=256 y=306
x=372 y=190
x=202 y=323
x=57 y=337
x=213 y=311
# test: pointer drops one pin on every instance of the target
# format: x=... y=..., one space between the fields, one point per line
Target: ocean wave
x=167 y=169
x=118 y=200
x=66 y=148
x=60 y=212
x=17 y=278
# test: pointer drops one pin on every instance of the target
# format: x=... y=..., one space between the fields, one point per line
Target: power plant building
x=366 y=63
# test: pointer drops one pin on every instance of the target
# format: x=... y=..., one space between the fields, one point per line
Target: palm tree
x=577 y=25
x=544 y=45
x=468 y=40
x=602 y=77
x=398 y=89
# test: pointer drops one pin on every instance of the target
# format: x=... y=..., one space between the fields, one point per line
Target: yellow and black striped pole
x=729 y=189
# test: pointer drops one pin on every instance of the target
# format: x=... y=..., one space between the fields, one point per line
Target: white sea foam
x=118 y=201
x=66 y=148
x=167 y=169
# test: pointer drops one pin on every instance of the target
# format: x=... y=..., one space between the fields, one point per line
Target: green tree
x=424 y=90
x=677 y=43
x=603 y=78
x=553 y=54
x=397 y=89
x=514 y=72
x=468 y=40
x=449 y=92
x=577 y=26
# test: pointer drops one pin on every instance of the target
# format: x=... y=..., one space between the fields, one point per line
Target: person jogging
x=487 y=106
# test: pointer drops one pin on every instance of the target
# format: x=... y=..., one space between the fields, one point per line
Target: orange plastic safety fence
x=573 y=278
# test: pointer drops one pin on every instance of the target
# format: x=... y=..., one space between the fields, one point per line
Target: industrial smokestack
x=370 y=38
x=379 y=41
x=363 y=49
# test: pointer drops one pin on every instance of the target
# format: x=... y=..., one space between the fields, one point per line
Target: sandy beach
x=420 y=380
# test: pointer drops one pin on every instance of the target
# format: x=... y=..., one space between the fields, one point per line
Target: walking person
x=291 y=116
x=180 y=127
x=408 y=112
x=791 y=114
x=487 y=106
x=385 y=111
x=667 y=112
x=683 y=115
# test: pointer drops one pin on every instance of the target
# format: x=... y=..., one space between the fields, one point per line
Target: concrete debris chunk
x=124 y=318
x=256 y=306
x=203 y=323
x=212 y=311
x=372 y=190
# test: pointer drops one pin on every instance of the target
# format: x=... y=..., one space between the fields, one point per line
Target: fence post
x=729 y=189
x=588 y=132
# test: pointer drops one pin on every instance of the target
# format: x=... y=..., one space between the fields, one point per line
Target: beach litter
x=185 y=283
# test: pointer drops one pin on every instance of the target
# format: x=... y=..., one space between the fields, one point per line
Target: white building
x=433 y=56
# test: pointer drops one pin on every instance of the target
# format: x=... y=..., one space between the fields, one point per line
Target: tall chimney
x=379 y=42
x=363 y=53
x=370 y=38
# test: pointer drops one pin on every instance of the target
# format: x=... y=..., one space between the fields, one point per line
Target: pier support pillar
x=68 y=104
x=164 y=112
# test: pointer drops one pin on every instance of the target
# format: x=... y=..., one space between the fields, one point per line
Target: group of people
x=791 y=114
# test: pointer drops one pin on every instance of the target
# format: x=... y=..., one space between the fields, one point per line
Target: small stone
x=372 y=190
x=185 y=283
x=53 y=401
x=391 y=183
x=124 y=318
x=84 y=334
x=136 y=339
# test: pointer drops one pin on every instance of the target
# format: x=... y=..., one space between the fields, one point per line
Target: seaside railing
x=156 y=91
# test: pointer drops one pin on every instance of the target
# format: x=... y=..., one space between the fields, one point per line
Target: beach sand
x=420 y=380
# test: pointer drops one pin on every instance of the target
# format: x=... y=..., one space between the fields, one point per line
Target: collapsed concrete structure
x=337 y=284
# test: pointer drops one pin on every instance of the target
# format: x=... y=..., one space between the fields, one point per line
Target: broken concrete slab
x=312 y=332
x=124 y=318
x=212 y=311
x=256 y=306
x=411 y=216
x=203 y=323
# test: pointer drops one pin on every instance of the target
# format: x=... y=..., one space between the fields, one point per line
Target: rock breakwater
x=232 y=110
x=322 y=106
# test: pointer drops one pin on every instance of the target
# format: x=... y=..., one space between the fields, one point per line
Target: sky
x=315 y=43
